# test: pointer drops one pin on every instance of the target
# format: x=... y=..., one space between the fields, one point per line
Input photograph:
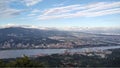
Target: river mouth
x=5 y=54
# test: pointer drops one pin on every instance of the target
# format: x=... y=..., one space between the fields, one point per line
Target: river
x=18 y=53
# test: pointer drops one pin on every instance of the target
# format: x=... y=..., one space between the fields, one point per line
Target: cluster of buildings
x=88 y=52
x=99 y=53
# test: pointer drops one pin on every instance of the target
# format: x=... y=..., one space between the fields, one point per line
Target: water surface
x=19 y=53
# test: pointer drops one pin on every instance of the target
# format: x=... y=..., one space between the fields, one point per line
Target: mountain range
x=19 y=37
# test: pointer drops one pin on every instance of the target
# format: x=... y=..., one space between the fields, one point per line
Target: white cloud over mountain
x=94 y=30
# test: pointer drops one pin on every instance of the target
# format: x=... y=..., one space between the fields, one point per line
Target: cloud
x=89 y=10
x=8 y=25
x=29 y=15
x=9 y=13
x=104 y=12
x=61 y=4
x=6 y=11
x=31 y=2
x=59 y=10
x=35 y=11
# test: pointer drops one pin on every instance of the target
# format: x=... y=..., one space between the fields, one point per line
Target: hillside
x=18 y=37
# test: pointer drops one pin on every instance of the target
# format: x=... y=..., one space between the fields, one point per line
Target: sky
x=60 y=13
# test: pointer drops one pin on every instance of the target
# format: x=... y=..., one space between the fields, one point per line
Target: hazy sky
x=60 y=13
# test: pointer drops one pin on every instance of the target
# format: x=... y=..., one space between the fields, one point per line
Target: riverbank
x=62 y=60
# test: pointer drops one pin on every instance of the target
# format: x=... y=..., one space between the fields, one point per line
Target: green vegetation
x=21 y=62
x=56 y=60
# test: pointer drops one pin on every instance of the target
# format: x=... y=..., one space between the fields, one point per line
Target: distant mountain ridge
x=92 y=30
x=23 y=36
x=19 y=37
